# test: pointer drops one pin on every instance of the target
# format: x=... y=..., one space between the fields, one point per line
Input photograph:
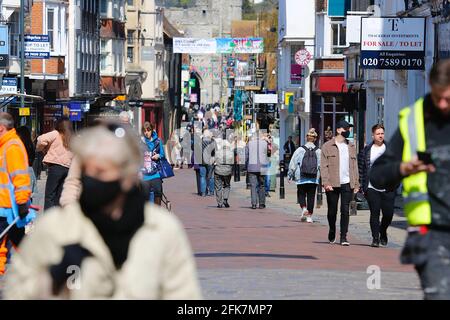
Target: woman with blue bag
x=153 y=153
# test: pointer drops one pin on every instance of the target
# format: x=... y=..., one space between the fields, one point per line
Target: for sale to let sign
x=393 y=43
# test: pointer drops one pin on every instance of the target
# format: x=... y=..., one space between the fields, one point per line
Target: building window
x=130 y=54
x=338 y=36
x=130 y=3
x=130 y=37
x=380 y=110
x=104 y=7
x=14 y=35
x=50 y=27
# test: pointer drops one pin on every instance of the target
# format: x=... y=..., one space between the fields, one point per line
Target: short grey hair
x=6 y=120
x=121 y=146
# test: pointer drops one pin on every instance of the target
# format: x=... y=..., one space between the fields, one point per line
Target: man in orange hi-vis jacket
x=13 y=176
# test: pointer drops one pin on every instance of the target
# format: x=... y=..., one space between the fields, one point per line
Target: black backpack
x=309 y=163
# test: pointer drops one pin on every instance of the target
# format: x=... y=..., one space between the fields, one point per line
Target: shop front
x=152 y=111
x=329 y=105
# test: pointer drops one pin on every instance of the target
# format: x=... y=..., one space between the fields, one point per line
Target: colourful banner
x=240 y=45
x=218 y=46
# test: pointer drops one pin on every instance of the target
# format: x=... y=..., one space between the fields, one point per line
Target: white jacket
x=160 y=263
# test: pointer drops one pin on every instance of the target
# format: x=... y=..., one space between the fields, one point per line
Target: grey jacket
x=256 y=156
x=224 y=157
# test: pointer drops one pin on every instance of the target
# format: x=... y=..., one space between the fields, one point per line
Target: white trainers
x=304 y=215
x=309 y=219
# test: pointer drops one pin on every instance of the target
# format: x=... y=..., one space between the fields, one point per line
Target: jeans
x=223 y=186
x=384 y=202
x=53 y=188
x=306 y=194
x=197 y=178
x=267 y=183
x=210 y=180
x=205 y=180
x=257 y=188
x=346 y=194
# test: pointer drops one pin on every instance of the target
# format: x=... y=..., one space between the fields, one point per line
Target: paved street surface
x=269 y=254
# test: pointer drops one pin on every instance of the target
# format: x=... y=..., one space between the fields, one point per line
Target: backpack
x=309 y=163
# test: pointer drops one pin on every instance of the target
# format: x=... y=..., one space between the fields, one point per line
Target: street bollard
x=282 y=169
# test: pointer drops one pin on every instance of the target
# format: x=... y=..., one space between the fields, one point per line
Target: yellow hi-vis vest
x=415 y=192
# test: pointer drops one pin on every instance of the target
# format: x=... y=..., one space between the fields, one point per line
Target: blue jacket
x=155 y=146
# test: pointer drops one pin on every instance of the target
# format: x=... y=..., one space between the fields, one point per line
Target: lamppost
x=22 y=51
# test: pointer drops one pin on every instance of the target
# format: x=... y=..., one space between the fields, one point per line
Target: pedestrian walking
x=122 y=246
x=153 y=152
x=418 y=156
x=304 y=169
x=340 y=178
x=206 y=167
x=257 y=161
x=378 y=199
x=55 y=145
x=224 y=160
x=15 y=187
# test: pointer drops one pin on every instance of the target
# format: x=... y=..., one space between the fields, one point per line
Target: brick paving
x=268 y=254
x=243 y=253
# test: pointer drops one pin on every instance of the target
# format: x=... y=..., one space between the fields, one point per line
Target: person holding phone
x=418 y=155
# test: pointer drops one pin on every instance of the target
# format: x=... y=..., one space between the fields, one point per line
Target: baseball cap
x=343 y=124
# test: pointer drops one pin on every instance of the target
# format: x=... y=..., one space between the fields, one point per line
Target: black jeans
x=155 y=186
x=53 y=188
x=306 y=194
x=346 y=194
x=384 y=202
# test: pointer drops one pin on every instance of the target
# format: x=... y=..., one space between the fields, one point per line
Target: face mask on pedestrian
x=345 y=134
x=97 y=194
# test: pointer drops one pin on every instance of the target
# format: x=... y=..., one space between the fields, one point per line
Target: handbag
x=166 y=170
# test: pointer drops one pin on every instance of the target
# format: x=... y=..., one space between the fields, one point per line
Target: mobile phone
x=425 y=157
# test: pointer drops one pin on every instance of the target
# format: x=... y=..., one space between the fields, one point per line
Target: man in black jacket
x=378 y=199
x=426 y=182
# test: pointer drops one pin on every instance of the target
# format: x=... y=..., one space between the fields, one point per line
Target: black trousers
x=346 y=194
x=155 y=186
x=53 y=188
x=384 y=202
x=14 y=235
x=306 y=194
x=430 y=254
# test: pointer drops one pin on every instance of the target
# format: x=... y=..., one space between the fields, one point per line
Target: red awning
x=153 y=104
x=329 y=84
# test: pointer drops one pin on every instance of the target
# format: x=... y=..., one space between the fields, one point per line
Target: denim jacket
x=296 y=163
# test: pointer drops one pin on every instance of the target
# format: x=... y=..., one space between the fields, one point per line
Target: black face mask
x=345 y=134
x=96 y=194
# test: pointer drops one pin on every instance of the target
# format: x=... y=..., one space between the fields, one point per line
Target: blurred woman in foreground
x=111 y=243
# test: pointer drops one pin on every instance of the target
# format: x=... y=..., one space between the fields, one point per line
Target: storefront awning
x=326 y=83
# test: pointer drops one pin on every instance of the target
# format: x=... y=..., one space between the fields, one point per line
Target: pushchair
x=164 y=200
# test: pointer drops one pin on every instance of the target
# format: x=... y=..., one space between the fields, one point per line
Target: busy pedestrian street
x=269 y=254
x=224 y=150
